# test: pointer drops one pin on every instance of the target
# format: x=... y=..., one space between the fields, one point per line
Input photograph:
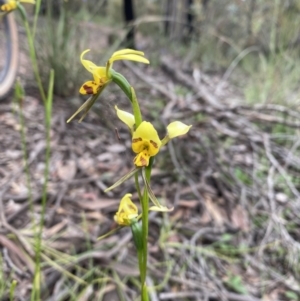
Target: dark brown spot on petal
x=88 y=89
x=139 y=160
x=154 y=143
x=136 y=140
x=143 y=161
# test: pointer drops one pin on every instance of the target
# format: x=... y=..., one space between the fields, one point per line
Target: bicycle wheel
x=9 y=53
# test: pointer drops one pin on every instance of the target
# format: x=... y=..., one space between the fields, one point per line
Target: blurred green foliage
x=59 y=43
x=235 y=283
x=261 y=38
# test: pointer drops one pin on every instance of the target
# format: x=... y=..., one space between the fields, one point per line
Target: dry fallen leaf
x=22 y=260
x=98 y=204
x=240 y=219
x=215 y=211
x=48 y=233
x=67 y=171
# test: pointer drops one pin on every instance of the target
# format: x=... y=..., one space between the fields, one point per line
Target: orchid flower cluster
x=145 y=143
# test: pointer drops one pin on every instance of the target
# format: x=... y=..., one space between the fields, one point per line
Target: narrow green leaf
x=123 y=179
x=12 y=290
x=150 y=192
x=291 y=295
x=136 y=109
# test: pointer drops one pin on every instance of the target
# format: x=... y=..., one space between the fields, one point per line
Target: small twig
x=268 y=107
x=201 y=90
x=269 y=118
x=279 y=167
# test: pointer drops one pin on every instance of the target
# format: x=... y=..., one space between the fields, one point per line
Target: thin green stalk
x=140 y=259
x=137 y=186
x=120 y=285
x=140 y=252
x=143 y=255
x=137 y=236
x=145 y=206
x=121 y=81
x=274 y=28
x=48 y=110
x=145 y=292
x=136 y=109
x=12 y=290
x=35 y=295
x=32 y=53
x=145 y=230
x=36 y=15
x=19 y=97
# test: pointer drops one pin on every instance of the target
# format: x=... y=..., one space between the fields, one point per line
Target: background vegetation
x=256 y=42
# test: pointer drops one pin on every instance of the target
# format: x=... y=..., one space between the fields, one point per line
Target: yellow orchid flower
x=127 y=211
x=99 y=74
x=145 y=140
x=12 y=5
x=102 y=74
x=145 y=143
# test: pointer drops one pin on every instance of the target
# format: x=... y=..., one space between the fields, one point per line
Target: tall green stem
x=122 y=82
x=32 y=53
x=36 y=15
x=145 y=231
x=145 y=206
x=48 y=111
x=136 y=109
x=19 y=98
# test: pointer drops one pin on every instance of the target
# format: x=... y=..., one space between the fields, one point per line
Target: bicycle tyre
x=10 y=46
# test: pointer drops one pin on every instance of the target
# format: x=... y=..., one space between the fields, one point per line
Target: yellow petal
x=161 y=209
x=99 y=74
x=127 y=51
x=125 y=54
x=89 y=87
x=88 y=65
x=126 y=117
x=177 y=128
x=127 y=211
x=146 y=133
x=129 y=57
